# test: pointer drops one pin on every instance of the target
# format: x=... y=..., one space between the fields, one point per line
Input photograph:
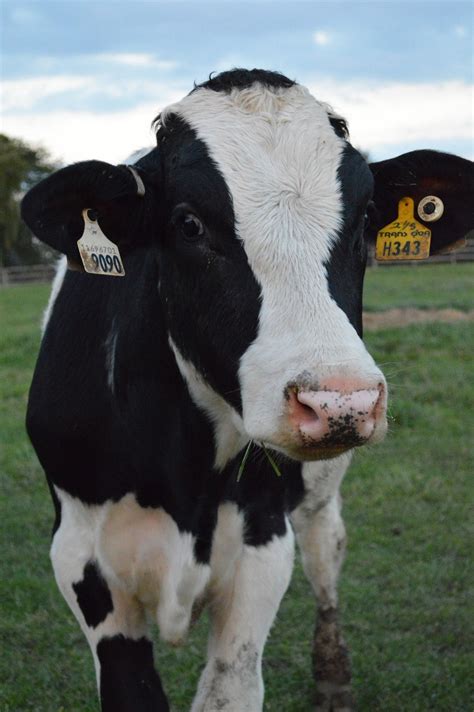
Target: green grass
x=405 y=584
x=432 y=286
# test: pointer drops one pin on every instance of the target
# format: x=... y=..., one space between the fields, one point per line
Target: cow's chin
x=311 y=453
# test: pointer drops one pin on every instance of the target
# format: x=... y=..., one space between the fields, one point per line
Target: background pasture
x=405 y=584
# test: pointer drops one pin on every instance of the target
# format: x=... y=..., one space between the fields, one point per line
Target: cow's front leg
x=242 y=612
x=112 y=619
x=321 y=536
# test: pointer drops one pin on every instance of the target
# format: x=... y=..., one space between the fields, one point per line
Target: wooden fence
x=45 y=273
x=26 y=273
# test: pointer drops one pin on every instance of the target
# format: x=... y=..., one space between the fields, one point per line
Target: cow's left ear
x=125 y=198
x=422 y=175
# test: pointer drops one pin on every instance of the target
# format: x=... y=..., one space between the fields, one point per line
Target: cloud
x=136 y=59
x=322 y=38
x=460 y=31
x=25 y=93
x=81 y=135
x=30 y=94
x=399 y=113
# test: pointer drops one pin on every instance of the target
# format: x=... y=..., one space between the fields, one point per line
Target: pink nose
x=332 y=417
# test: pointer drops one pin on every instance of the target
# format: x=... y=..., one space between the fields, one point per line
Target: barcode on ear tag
x=98 y=254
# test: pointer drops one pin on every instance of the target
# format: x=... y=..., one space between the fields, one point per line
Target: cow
x=197 y=414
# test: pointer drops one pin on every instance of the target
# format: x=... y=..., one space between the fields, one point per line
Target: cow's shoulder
x=108 y=410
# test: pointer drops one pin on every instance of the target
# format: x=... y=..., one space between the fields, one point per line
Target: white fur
x=243 y=608
x=229 y=432
x=319 y=528
x=280 y=156
x=149 y=567
x=74 y=544
x=58 y=280
x=227 y=546
x=143 y=557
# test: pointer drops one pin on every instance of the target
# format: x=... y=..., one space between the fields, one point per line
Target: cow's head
x=260 y=210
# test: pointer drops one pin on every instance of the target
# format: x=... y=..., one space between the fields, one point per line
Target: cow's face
x=257 y=203
x=262 y=266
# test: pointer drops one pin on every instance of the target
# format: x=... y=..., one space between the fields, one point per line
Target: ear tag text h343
x=404 y=238
x=98 y=254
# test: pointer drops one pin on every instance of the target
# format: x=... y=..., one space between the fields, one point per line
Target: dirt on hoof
x=393 y=318
x=331 y=662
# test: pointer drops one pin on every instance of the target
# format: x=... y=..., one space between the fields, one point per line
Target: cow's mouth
x=313 y=453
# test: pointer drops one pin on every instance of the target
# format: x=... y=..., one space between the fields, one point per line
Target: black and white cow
x=238 y=320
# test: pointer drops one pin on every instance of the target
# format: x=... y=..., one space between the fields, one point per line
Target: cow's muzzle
x=328 y=421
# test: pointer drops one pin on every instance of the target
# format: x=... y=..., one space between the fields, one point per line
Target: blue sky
x=86 y=78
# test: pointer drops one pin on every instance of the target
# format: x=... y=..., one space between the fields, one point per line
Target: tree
x=21 y=167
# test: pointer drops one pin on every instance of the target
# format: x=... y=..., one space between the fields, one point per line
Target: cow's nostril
x=300 y=412
x=306 y=411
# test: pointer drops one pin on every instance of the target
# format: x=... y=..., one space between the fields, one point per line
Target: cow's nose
x=334 y=417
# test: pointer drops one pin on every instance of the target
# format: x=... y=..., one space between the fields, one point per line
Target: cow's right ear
x=124 y=199
x=422 y=176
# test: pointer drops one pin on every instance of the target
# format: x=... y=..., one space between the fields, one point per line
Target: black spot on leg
x=128 y=679
x=93 y=596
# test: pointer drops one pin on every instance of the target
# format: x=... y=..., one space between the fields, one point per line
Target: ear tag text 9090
x=98 y=254
x=404 y=238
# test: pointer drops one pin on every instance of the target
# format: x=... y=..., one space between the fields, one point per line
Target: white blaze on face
x=280 y=156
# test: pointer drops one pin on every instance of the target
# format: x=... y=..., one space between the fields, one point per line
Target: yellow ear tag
x=98 y=254
x=404 y=238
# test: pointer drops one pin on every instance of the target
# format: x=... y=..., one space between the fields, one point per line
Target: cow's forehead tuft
x=269 y=103
x=257 y=126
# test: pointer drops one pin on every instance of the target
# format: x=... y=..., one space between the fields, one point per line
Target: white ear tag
x=98 y=254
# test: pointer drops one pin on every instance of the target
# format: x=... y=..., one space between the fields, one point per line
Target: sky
x=84 y=79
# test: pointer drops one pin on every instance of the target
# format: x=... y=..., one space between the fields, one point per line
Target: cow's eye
x=369 y=214
x=191 y=227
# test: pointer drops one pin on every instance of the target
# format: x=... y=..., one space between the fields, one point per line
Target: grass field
x=437 y=286
x=406 y=584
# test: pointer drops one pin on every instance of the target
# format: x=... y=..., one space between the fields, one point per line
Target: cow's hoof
x=331 y=697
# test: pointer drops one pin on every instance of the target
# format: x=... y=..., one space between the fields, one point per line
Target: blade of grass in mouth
x=272 y=462
x=244 y=460
x=270 y=459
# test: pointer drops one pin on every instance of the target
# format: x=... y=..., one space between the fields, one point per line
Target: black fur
x=420 y=173
x=339 y=125
x=128 y=679
x=53 y=208
x=93 y=596
x=99 y=445
x=208 y=284
x=346 y=266
x=244 y=78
